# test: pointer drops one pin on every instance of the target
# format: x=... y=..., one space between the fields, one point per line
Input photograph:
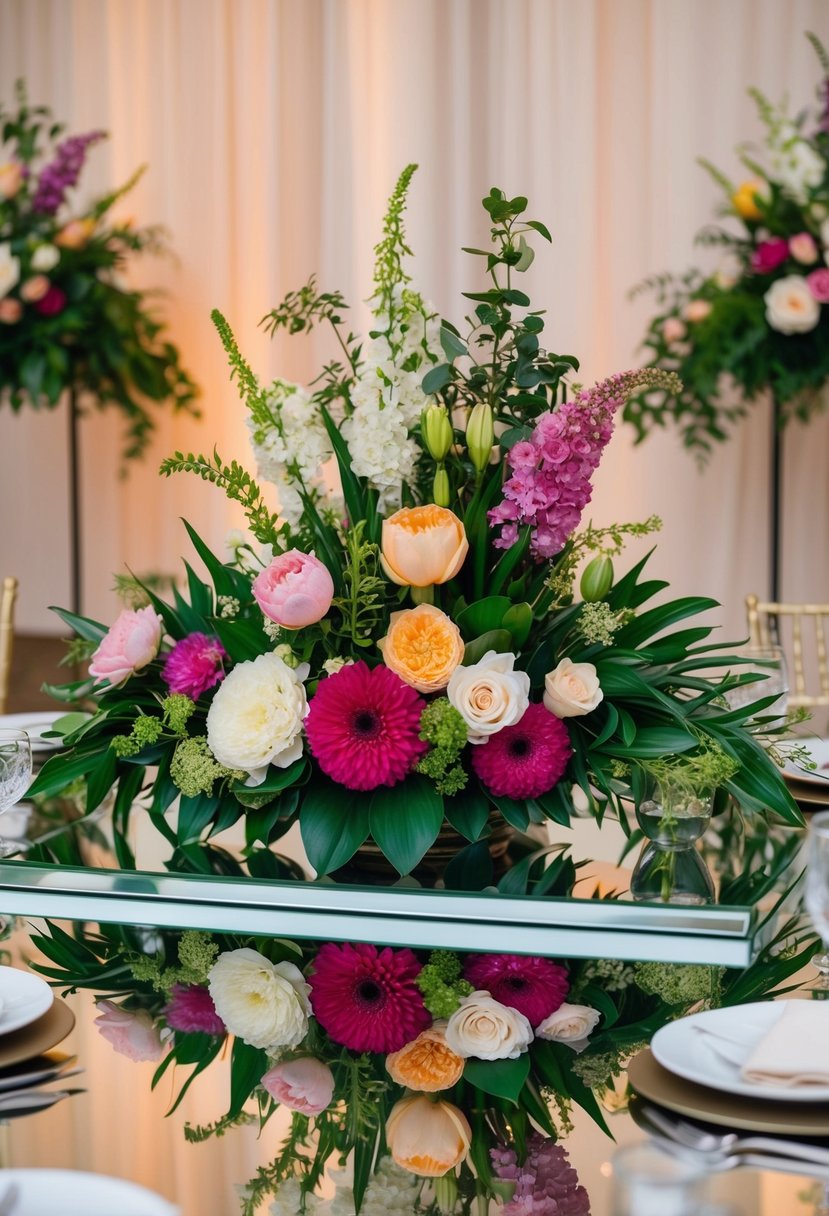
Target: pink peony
x=191 y=1010
x=132 y=1034
x=131 y=643
x=803 y=248
x=769 y=255
x=818 y=282
x=295 y=590
x=305 y=1085
x=194 y=665
x=673 y=330
x=52 y=303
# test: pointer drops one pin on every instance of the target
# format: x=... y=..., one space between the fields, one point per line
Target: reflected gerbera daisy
x=363 y=727
x=367 y=998
x=527 y=759
x=535 y=987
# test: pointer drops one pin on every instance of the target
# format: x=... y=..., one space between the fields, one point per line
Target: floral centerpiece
x=413 y=655
x=67 y=321
x=760 y=322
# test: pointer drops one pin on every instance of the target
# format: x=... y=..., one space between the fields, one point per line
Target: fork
x=692 y=1136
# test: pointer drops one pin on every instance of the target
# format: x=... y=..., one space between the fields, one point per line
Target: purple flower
x=545 y=1183
x=195 y=664
x=62 y=172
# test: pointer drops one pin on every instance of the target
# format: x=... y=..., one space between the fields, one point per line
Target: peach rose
x=132 y=1034
x=697 y=310
x=11 y=178
x=75 y=234
x=427 y=1138
x=11 y=310
x=131 y=643
x=572 y=689
x=423 y=647
x=673 y=330
x=305 y=1085
x=422 y=546
x=803 y=248
x=570 y=1024
x=34 y=289
x=427 y=1064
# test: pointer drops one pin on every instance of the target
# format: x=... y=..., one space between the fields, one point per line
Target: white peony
x=263 y=1003
x=489 y=695
x=45 y=258
x=256 y=717
x=484 y=1028
x=570 y=1024
x=790 y=306
x=9 y=269
x=572 y=689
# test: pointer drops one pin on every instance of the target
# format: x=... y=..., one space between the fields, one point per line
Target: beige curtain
x=274 y=130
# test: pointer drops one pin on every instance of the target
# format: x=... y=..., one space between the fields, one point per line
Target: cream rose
x=790 y=306
x=9 y=269
x=572 y=689
x=45 y=258
x=263 y=1003
x=489 y=695
x=570 y=1024
x=484 y=1028
x=256 y=717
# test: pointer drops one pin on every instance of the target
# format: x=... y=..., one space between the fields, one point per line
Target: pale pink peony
x=295 y=590
x=131 y=643
x=803 y=248
x=305 y=1085
x=818 y=282
x=673 y=330
x=132 y=1034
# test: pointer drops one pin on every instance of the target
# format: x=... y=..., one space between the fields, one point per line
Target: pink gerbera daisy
x=191 y=1010
x=363 y=727
x=527 y=759
x=194 y=664
x=368 y=999
x=534 y=986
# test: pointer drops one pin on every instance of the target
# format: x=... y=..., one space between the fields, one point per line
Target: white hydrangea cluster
x=391 y=1190
x=288 y=1200
x=794 y=162
x=295 y=447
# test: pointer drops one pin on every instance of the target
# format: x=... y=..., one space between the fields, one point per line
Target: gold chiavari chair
x=7 y=600
x=801 y=630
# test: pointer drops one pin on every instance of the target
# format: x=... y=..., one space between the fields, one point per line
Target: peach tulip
x=422 y=546
x=427 y=1138
x=34 y=289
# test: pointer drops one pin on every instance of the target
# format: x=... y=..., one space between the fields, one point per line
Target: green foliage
x=363 y=604
x=237 y=484
x=444 y=728
x=441 y=983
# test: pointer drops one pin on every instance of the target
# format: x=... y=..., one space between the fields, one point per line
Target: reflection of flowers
x=131 y=1034
x=427 y=1064
x=366 y=998
x=484 y=1028
x=264 y=1003
x=191 y=1010
x=570 y=1024
x=534 y=986
x=428 y=1138
x=545 y=1182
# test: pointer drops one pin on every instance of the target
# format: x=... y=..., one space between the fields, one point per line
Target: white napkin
x=794 y=1052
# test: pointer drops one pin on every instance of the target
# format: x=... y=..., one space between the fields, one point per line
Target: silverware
x=29 y=1102
x=8 y=1201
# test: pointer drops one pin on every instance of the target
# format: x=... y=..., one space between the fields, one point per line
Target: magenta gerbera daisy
x=194 y=664
x=535 y=987
x=525 y=760
x=366 y=998
x=191 y=1010
x=363 y=727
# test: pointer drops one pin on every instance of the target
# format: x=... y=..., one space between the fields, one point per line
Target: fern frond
x=820 y=51
x=363 y=605
x=240 y=370
x=237 y=484
x=717 y=174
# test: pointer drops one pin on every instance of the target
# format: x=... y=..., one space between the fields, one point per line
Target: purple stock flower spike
x=63 y=172
x=545 y=1183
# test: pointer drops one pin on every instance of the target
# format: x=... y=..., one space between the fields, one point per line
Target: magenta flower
x=535 y=987
x=769 y=255
x=545 y=1183
x=363 y=727
x=818 y=282
x=51 y=302
x=195 y=664
x=191 y=1010
x=525 y=760
x=366 y=998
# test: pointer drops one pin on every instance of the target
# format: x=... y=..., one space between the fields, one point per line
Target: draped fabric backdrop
x=274 y=131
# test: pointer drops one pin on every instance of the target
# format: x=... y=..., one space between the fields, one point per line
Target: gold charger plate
x=38 y=1036
x=653 y=1081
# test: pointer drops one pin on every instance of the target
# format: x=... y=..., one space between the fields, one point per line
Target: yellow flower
x=76 y=233
x=427 y=1138
x=744 y=201
x=427 y=1064
x=422 y=546
x=423 y=647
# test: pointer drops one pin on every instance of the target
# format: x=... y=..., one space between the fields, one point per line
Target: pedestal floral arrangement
x=759 y=323
x=412 y=655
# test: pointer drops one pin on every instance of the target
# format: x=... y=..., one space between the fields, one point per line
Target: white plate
x=25 y=996
x=819 y=777
x=74 y=1193
x=35 y=724
x=687 y=1052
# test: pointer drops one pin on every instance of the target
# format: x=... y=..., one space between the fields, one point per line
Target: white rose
x=570 y=1024
x=790 y=306
x=484 y=1028
x=9 y=269
x=45 y=258
x=572 y=689
x=256 y=717
x=489 y=695
x=265 y=1004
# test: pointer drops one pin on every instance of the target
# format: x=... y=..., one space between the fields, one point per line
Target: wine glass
x=817 y=891
x=15 y=775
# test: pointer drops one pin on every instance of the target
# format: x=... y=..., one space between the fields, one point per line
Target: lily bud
x=597 y=579
x=436 y=430
x=446 y=1192
x=440 y=487
x=480 y=435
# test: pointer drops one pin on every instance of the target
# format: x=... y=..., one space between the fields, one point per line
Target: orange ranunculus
x=423 y=647
x=427 y=1063
x=75 y=234
x=422 y=546
x=744 y=201
x=427 y=1138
